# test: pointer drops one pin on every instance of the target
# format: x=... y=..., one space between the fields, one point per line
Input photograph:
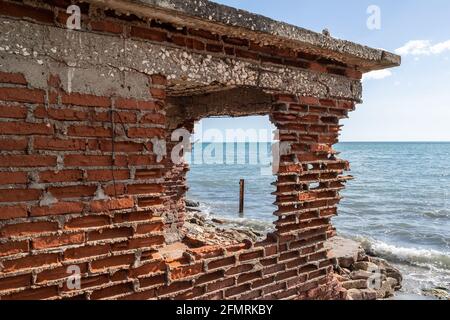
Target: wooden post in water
x=241 y=195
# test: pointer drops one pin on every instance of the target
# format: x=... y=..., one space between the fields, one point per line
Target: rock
x=340 y=278
x=218 y=221
x=385 y=291
x=360 y=275
x=365 y=266
x=354 y=294
x=440 y=293
x=345 y=251
x=390 y=271
x=369 y=294
x=191 y=209
x=191 y=203
x=392 y=282
x=355 y=284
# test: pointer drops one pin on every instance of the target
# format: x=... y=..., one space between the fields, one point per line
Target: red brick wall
x=67 y=199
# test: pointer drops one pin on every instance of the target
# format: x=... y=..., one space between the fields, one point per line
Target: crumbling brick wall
x=81 y=185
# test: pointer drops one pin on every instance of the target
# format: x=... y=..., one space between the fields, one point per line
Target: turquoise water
x=398 y=204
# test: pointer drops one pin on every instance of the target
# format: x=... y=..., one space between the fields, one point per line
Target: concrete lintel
x=239 y=23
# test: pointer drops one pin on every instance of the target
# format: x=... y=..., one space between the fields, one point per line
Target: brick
x=121 y=146
x=113 y=204
x=142 y=295
x=286 y=275
x=87 y=222
x=120 y=275
x=195 y=44
x=107 y=175
x=251 y=255
x=174 y=287
x=213 y=47
x=150 y=201
x=112 y=291
x=318 y=67
x=46 y=143
x=274 y=288
x=65 y=114
x=58 y=208
x=239 y=269
x=148 y=34
x=133 y=104
x=13 y=112
x=158 y=93
x=209 y=277
x=34 y=294
x=158 y=79
x=77 y=160
x=24 y=11
x=22 y=95
x=113 y=262
x=221 y=263
x=139 y=243
x=262 y=283
x=58 y=273
x=132 y=217
x=203 y=34
x=29 y=262
x=15 y=282
x=85 y=100
x=10 y=248
x=25 y=128
x=106 y=234
x=86 y=252
x=150 y=227
x=89 y=131
x=61 y=176
x=153 y=118
x=157 y=280
x=13 y=144
x=148 y=269
x=138 y=160
x=90 y=282
x=246 y=54
x=72 y=191
x=248 y=277
x=145 y=188
x=14 y=78
x=27 y=228
x=309 y=101
x=139 y=132
x=13 y=212
x=13 y=177
x=27 y=161
x=186 y=271
x=237 y=290
x=57 y=241
x=106 y=26
x=145 y=174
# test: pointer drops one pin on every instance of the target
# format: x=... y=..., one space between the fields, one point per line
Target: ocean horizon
x=397 y=206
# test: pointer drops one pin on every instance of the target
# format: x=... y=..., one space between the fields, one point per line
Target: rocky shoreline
x=364 y=276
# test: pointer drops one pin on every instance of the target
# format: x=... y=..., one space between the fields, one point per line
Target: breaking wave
x=414 y=256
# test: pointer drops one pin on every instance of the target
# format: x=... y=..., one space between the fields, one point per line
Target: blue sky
x=409 y=103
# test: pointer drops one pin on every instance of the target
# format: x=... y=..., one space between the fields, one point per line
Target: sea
x=397 y=205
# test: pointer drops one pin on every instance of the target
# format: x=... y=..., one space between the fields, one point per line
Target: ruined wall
x=81 y=185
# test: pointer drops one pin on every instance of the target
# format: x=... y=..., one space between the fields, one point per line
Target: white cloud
x=377 y=75
x=423 y=47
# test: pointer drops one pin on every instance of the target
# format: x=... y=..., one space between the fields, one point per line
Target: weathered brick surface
x=80 y=184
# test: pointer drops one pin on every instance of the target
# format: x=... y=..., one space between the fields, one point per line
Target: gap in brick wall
x=225 y=151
